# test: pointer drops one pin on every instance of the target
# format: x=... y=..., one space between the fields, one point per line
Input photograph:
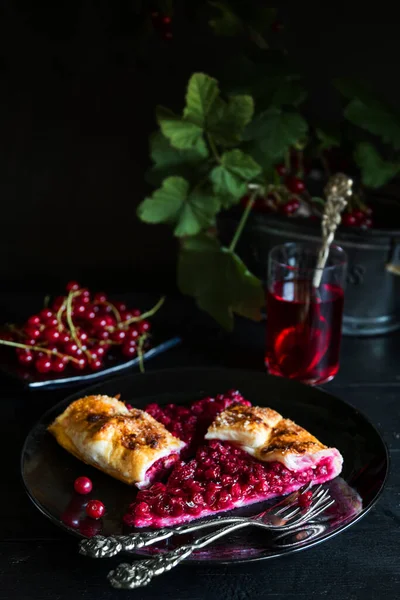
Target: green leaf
x=317 y=200
x=182 y=134
x=277 y=131
x=327 y=139
x=173 y=203
x=288 y=93
x=377 y=120
x=228 y=120
x=231 y=176
x=171 y=161
x=375 y=171
x=218 y=280
x=201 y=94
x=227 y=23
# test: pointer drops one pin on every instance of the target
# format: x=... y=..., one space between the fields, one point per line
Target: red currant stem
x=277 y=196
x=145 y=315
x=213 y=147
x=59 y=315
x=15 y=329
x=300 y=159
x=37 y=349
x=243 y=220
x=115 y=311
x=71 y=325
x=287 y=161
x=46 y=301
x=140 y=352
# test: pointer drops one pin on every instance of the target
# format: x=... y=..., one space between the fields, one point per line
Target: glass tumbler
x=304 y=322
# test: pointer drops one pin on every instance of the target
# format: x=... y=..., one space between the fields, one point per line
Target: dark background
x=76 y=106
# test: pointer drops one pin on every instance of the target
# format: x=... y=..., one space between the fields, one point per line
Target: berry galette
x=248 y=454
x=192 y=461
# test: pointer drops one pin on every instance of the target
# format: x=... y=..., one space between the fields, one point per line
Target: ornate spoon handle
x=141 y=572
x=105 y=547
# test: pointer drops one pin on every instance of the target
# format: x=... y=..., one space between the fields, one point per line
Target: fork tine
x=288 y=515
x=292 y=498
x=295 y=496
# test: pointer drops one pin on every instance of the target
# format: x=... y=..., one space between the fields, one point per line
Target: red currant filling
x=221 y=477
x=160 y=469
x=190 y=423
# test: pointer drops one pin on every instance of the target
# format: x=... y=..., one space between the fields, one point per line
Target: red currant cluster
x=358 y=218
x=79 y=330
x=285 y=198
x=162 y=24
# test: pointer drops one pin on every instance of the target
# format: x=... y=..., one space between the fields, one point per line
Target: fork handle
x=141 y=572
x=100 y=546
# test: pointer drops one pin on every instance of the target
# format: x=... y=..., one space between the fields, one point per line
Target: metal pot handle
x=393 y=266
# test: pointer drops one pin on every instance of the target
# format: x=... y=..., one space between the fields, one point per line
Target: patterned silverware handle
x=140 y=573
x=105 y=547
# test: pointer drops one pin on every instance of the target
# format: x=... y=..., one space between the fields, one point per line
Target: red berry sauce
x=221 y=477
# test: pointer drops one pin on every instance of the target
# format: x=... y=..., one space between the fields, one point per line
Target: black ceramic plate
x=113 y=366
x=49 y=471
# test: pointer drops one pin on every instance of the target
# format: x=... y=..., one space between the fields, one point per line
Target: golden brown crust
x=289 y=438
x=264 y=433
x=102 y=432
x=249 y=425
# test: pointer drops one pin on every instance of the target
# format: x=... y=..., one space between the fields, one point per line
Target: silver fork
x=104 y=547
x=140 y=573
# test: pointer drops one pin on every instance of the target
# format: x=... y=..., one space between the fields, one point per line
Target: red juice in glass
x=303 y=322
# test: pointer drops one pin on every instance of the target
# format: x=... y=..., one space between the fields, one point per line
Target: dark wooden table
x=38 y=561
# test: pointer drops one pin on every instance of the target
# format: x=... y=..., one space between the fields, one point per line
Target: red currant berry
x=359 y=216
x=167 y=36
x=95 y=509
x=349 y=220
x=103 y=335
x=45 y=314
x=64 y=337
x=166 y=20
x=27 y=341
x=90 y=528
x=83 y=485
x=100 y=297
x=83 y=336
x=98 y=351
x=71 y=348
x=96 y=364
x=129 y=350
x=368 y=211
x=33 y=332
x=58 y=365
x=305 y=499
x=119 y=335
x=144 y=326
x=100 y=322
x=43 y=364
x=25 y=357
x=132 y=333
x=89 y=314
x=120 y=306
x=110 y=321
x=80 y=363
x=34 y=320
x=136 y=312
x=280 y=169
x=52 y=322
x=295 y=185
x=52 y=334
x=79 y=310
x=72 y=286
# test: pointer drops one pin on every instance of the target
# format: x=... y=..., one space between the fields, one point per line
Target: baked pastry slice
x=251 y=454
x=127 y=444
